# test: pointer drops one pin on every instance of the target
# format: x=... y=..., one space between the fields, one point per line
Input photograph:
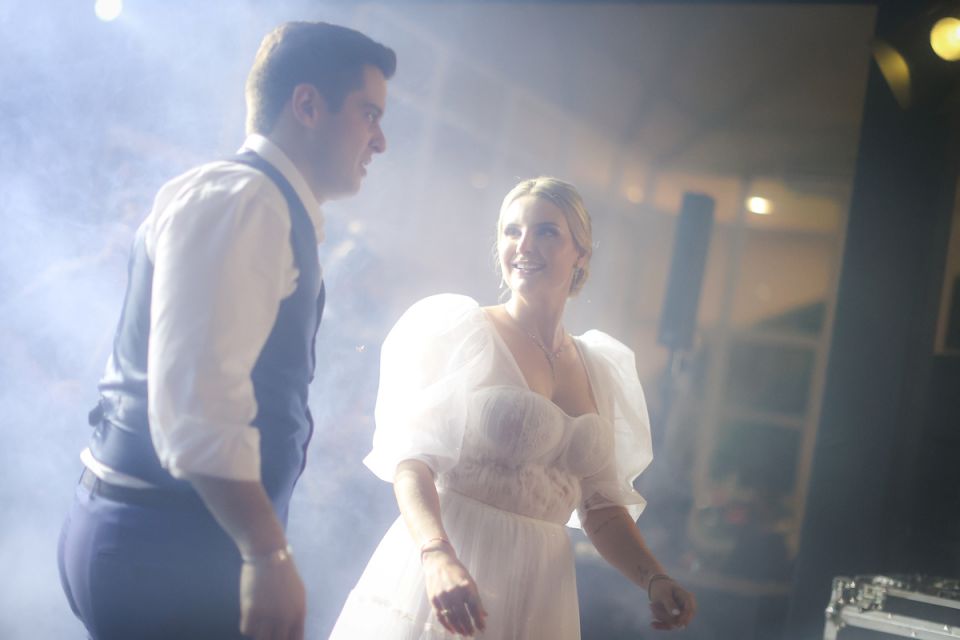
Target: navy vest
x=281 y=375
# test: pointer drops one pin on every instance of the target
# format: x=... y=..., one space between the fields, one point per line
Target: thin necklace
x=551 y=356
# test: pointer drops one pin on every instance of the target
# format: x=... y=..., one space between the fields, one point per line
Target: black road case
x=878 y=607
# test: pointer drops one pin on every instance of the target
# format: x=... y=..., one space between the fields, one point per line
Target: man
x=177 y=528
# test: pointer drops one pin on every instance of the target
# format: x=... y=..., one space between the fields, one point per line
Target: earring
x=577 y=276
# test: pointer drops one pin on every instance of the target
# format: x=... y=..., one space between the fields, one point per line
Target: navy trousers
x=149 y=572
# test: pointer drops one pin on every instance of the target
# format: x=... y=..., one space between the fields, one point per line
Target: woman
x=494 y=425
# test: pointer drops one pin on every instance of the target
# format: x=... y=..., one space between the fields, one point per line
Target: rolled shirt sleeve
x=219 y=240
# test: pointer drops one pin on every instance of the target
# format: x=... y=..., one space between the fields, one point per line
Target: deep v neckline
x=523 y=379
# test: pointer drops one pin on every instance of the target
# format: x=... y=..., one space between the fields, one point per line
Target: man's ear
x=308 y=106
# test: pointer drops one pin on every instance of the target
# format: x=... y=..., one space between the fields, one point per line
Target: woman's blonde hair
x=565 y=196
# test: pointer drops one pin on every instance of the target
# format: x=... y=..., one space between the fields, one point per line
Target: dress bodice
x=524 y=454
x=453 y=396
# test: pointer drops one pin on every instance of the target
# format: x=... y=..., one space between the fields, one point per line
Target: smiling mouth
x=527 y=267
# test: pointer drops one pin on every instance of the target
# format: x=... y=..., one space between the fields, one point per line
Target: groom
x=177 y=526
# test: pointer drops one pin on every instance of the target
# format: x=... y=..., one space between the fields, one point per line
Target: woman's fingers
x=460 y=610
x=456 y=604
x=442 y=614
x=453 y=594
x=663 y=619
x=660 y=611
x=477 y=612
x=445 y=621
x=687 y=603
x=673 y=610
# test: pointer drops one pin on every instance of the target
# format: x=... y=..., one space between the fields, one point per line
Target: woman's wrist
x=432 y=545
x=654 y=578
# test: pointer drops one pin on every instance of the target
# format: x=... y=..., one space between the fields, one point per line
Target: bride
x=497 y=428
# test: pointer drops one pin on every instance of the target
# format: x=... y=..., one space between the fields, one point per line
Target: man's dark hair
x=327 y=56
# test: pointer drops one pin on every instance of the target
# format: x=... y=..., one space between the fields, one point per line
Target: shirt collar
x=269 y=151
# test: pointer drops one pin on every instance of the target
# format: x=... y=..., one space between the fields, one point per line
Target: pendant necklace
x=551 y=356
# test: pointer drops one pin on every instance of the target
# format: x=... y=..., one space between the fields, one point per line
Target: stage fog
x=635 y=104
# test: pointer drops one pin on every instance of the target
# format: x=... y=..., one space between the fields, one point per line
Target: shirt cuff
x=230 y=453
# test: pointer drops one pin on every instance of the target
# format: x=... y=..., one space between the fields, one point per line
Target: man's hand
x=272 y=601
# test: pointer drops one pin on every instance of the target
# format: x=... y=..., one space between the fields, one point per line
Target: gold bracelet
x=653 y=578
x=277 y=556
x=425 y=547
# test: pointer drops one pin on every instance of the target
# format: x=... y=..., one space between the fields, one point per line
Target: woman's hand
x=450 y=587
x=672 y=605
x=452 y=592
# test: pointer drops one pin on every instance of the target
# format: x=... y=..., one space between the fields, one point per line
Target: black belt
x=139 y=497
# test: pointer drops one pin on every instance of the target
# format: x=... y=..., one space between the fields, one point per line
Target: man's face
x=348 y=138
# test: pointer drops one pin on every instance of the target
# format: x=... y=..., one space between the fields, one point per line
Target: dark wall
x=928 y=540
x=888 y=446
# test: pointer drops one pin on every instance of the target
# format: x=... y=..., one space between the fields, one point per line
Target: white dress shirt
x=219 y=239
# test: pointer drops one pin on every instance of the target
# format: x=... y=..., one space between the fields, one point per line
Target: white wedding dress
x=511 y=469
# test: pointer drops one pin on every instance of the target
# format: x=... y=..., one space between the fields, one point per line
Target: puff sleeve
x=621 y=401
x=430 y=358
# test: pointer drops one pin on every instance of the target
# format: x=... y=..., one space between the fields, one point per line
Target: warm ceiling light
x=634 y=194
x=759 y=206
x=108 y=10
x=945 y=39
x=479 y=180
x=918 y=56
x=895 y=69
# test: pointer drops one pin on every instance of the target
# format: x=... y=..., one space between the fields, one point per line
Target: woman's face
x=536 y=249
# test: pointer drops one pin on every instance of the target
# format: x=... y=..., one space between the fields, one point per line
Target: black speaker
x=678 y=319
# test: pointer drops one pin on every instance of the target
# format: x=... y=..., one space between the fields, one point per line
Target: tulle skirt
x=523 y=568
